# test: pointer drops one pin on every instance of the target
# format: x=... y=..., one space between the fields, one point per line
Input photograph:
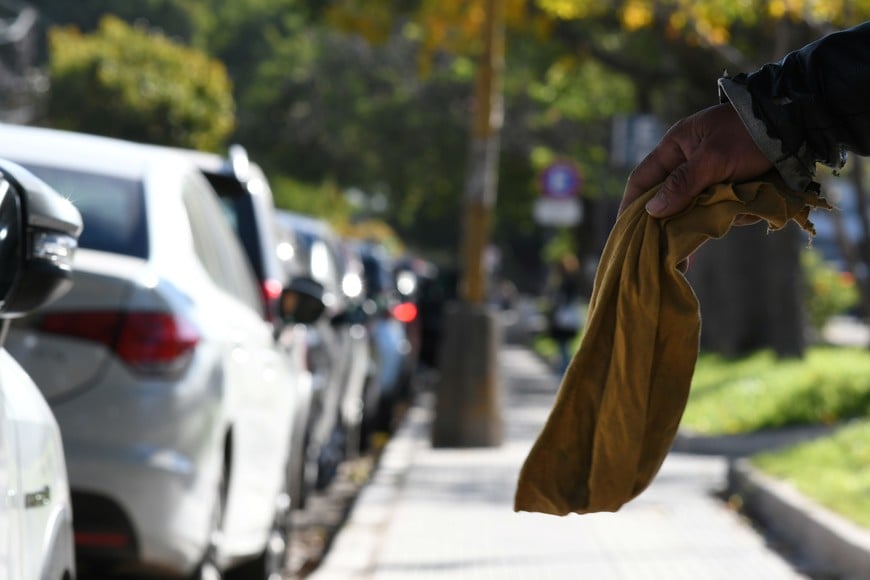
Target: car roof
x=217 y=164
x=246 y=176
x=205 y=161
x=93 y=153
x=306 y=224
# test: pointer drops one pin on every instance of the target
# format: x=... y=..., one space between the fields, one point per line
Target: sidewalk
x=447 y=513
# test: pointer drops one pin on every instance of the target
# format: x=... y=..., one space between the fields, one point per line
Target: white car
x=248 y=203
x=38 y=232
x=175 y=404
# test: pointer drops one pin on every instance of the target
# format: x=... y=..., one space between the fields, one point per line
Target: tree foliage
x=359 y=116
x=175 y=18
x=375 y=95
x=136 y=84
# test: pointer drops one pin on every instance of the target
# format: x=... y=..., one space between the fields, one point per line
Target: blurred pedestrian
x=810 y=107
x=565 y=316
x=505 y=294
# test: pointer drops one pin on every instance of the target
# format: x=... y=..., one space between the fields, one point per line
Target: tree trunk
x=863 y=251
x=599 y=215
x=749 y=286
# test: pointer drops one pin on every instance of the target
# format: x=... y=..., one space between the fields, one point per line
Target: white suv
x=38 y=233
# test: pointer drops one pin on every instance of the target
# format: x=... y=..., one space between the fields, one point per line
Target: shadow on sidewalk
x=747 y=444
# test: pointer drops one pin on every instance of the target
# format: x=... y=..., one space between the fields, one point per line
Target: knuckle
x=677 y=184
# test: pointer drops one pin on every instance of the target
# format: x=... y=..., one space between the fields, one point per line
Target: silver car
x=175 y=405
x=339 y=345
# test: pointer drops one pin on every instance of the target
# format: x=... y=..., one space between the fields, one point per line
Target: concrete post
x=468 y=409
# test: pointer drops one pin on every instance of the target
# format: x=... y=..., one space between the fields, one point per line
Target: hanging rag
x=621 y=400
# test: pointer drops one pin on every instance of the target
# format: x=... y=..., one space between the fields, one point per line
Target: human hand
x=709 y=147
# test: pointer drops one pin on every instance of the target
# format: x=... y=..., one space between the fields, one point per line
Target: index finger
x=653 y=170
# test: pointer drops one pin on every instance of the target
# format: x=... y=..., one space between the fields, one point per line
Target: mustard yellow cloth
x=621 y=400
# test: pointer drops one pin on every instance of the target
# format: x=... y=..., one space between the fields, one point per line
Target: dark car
x=394 y=324
x=432 y=290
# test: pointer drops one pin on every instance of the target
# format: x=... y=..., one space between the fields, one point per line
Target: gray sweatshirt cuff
x=796 y=173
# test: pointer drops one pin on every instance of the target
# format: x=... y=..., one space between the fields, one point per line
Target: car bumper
x=160 y=520
x=151 y=454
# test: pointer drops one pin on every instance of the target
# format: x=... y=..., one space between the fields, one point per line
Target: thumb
x=677 y=191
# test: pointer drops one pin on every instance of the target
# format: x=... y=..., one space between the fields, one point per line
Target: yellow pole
x=468 y=403
x=482 y=182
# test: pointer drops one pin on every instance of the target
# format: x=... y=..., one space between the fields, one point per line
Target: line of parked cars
x=210 y=362
x=339 y=346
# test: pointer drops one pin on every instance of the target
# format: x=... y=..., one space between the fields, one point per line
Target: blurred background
x=360 y=113
x=471 y=153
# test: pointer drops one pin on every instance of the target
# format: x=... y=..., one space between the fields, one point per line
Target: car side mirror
x=302 y=301
x=39 y=231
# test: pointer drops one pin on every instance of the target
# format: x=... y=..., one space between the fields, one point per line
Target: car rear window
x=378 y=276
x=239 y=210
x=112 y=208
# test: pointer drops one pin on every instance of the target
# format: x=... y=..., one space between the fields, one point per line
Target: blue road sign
x=560 y=180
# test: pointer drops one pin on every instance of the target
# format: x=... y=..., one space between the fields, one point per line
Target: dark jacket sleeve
x=810 y=107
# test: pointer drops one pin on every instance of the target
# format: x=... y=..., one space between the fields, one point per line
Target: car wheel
x=329 y=458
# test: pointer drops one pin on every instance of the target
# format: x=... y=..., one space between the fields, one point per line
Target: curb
x=353 y=550
x=828 y=545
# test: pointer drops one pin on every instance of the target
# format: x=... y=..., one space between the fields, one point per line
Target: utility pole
x=468 y=408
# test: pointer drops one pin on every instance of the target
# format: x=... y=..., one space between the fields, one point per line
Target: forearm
x=810 y=107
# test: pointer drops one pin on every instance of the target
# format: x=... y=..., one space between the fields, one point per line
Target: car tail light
x=112 y=540
x=270 y=291
x=149 y=342
x=102 y=529
x=405 y=312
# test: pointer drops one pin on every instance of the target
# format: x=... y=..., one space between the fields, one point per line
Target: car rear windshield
x=112 y=208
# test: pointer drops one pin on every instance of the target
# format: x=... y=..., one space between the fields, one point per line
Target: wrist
x=798 y=169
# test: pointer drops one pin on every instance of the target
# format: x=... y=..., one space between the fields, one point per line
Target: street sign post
x=557 y=212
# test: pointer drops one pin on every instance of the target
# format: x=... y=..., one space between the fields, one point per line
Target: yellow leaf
x=637 y=14
x=572 y=9
x=776 y=8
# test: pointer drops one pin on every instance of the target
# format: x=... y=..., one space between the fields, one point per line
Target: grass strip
x=834 y=470
x=732 y=396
